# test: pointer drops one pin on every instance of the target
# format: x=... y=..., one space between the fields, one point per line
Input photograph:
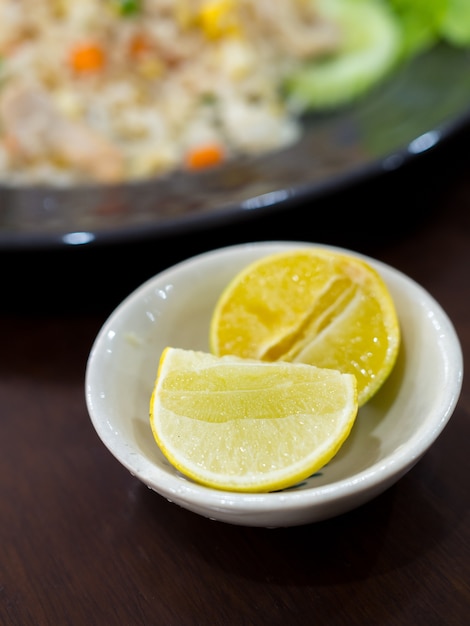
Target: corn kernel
x=218 y=19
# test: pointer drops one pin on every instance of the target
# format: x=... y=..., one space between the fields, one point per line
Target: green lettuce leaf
x=421 y=22
x=456 y=25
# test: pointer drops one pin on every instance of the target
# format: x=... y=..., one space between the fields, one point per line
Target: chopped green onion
x=208 y=98
x=129 y=7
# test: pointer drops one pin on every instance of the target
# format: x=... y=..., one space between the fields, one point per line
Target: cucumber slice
x=372 y=45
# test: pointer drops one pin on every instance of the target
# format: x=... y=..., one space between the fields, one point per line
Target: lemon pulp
x=245 y=425
x=315 y=306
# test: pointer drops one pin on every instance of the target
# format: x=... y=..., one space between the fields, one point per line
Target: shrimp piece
x=88 y=151
x=295 y=26
x=35 y=129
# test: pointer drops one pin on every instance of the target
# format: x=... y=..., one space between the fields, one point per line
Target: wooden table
x=83 y=543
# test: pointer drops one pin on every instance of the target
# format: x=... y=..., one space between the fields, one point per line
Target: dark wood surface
x=82 y=542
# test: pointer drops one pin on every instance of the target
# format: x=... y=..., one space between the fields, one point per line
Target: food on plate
x=111 y=90
x=122 y=90
x=246 y=425
x=311 y=305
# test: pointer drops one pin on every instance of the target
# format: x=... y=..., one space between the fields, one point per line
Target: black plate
x=423 y=104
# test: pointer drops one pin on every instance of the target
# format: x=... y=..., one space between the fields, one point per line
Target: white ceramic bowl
x=392 y=432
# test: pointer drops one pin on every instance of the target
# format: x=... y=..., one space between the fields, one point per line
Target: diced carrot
x=139 y=45
x=12 y=145
x=87 y=57
x=207 y=155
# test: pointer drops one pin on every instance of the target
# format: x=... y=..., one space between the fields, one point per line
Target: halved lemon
x=314 y=305
x=246 y=425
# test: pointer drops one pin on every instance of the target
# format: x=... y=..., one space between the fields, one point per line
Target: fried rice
x=111 y=91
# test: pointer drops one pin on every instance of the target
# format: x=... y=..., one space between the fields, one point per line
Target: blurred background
x=362 y=175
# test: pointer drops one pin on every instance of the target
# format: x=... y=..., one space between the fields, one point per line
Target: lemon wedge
x=247 y=425
x=313 y=305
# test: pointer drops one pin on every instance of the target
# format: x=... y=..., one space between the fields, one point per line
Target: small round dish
x=391 y=434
